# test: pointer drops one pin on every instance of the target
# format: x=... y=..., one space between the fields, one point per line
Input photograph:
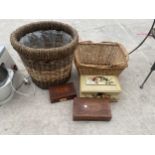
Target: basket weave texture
x=106 y=58
x=46 y=66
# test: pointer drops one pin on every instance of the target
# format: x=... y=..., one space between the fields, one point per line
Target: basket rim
x=32 y=51
x=119 y=66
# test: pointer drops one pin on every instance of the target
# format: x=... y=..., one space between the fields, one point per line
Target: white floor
x=133 y=114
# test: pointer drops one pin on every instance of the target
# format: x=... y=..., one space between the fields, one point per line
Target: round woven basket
x=46 y=66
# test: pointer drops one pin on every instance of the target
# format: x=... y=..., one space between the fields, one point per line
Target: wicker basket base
x=45 y=85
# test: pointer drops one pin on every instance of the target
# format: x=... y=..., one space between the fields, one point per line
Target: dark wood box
x=91 y=109
x=62 y=92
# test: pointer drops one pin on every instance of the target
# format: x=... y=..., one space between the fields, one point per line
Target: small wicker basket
x=106 y=58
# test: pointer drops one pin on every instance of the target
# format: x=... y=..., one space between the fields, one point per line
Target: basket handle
x=103 y=42
x=108 y=42
x=85 y=42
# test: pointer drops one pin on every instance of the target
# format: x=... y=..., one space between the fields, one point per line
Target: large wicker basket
x=46 y=66
x=107 y=58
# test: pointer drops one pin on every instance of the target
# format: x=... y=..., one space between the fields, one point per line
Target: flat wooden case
x=90 y=109
x=62 y=92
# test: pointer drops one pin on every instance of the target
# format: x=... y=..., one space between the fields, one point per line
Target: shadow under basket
x=106 y=58
x=46 y=49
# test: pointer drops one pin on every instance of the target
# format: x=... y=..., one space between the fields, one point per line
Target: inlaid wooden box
x=100 y=86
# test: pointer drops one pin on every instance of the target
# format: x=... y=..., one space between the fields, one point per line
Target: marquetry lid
x=99 y=83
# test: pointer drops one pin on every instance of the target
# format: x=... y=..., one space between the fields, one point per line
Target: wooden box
x=90 y=109
x=100 y=86
x=62 y=92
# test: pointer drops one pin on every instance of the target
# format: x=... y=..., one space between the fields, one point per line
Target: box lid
x=99 y=83
x=91 y=109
